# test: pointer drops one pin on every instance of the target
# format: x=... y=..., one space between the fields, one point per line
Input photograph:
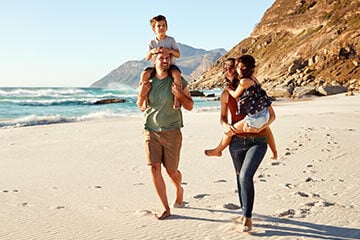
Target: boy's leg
x=217 y=152
x=144 y=78
x=177 y=81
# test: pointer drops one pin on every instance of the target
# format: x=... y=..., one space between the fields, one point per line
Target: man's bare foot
x=212 y=153
x=179 y=198
x=164 y=215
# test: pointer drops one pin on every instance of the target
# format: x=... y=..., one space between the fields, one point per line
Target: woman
x=247 y=149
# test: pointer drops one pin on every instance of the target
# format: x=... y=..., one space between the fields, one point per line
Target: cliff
x=307 y=45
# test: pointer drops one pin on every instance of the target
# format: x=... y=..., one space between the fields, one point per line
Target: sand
x=89 y=180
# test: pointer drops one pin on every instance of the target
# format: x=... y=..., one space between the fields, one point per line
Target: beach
x=89 y=180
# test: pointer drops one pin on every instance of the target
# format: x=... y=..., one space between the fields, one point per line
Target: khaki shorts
x=163 y=147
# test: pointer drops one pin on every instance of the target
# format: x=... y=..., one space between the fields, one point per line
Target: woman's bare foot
x=212 y=153
x=164 y=215
x=247 y=225
x=238 y=219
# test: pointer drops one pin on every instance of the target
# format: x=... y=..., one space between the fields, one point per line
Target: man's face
x=163 y=61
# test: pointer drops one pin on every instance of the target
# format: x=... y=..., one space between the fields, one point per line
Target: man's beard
x=165 y=67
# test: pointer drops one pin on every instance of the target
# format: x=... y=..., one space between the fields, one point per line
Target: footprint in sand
x=231 y=206
x=138 y=184
x=57 y=207
x=220 y=181
x=6 y=191
x=144 y=212
x=287 y=213
x=302 y=194
x=201 y=196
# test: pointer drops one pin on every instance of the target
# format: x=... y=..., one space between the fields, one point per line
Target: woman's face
x=229 y=68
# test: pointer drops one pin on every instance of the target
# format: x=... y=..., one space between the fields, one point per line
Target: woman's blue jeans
x=247 y=154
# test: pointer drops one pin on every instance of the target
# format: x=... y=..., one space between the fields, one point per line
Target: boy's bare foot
x=275 y=156
x=164 y=215
x=212 y=153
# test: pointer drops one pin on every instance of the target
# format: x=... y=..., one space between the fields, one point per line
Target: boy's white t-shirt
x=167 y=42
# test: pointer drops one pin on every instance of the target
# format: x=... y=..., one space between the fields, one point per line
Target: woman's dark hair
x=249 y=63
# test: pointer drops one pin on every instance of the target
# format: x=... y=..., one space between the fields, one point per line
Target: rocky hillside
x=301 y=47
x=192 y=63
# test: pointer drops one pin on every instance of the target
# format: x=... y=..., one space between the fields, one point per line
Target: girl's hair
x=249 y=63
x=157 y=18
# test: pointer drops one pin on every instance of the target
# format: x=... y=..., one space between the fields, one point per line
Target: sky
x=74 y=43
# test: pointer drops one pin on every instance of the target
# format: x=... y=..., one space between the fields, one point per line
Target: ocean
x=21 y=107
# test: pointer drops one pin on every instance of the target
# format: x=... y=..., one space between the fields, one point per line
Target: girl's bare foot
x=274 y=156
x=212 y=153
x=164 y=215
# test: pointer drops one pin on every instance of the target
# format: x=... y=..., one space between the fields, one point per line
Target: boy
x=165 y=44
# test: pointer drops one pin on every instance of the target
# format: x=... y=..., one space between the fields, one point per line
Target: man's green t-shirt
x=160 y=114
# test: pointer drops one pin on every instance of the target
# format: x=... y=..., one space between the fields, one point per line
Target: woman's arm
x=266 y=125
x=224 y=121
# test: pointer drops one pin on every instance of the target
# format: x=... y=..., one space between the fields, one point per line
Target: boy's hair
x=249 y=63
x=157 y=18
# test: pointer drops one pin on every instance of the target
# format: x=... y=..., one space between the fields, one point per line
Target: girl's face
x=160 y=28
x=240 y=67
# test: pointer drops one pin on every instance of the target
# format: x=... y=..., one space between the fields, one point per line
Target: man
x=162 y=132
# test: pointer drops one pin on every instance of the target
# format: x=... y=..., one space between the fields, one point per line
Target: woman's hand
x=248 y=129
x=229 y=130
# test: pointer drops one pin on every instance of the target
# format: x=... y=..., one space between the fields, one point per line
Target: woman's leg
x=237 y=151
x=252 y=160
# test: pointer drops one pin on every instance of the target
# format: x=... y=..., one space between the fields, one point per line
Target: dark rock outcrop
x=110 y=100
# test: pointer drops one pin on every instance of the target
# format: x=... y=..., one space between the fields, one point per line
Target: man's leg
x=160 y=188
x=176 y=178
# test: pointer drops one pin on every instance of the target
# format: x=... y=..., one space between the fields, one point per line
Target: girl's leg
x=217 y=152
x=177 y=81
x=271 y=142
x=239 y=126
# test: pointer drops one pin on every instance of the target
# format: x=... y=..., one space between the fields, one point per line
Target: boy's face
x=160 y=27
